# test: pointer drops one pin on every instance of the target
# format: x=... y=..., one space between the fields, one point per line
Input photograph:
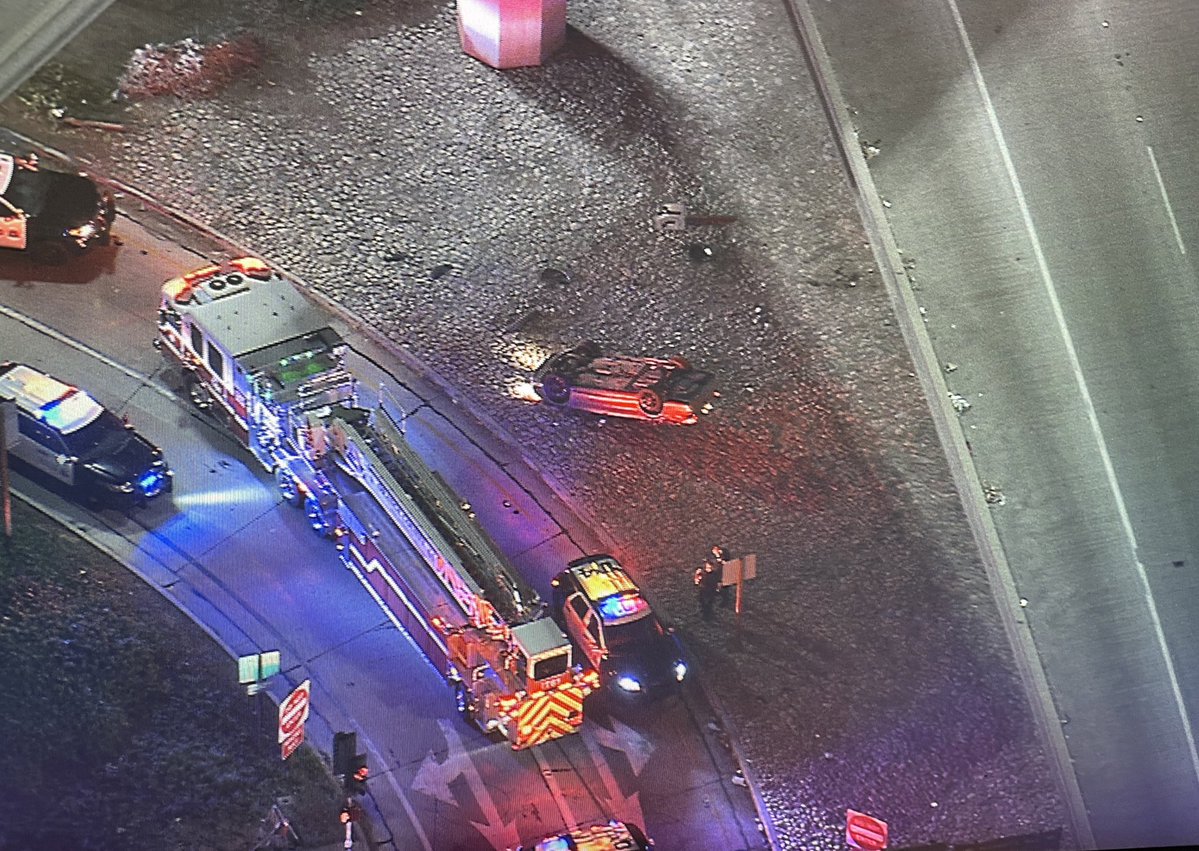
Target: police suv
x=52 y=213
x=65 y=433
x=601 y=608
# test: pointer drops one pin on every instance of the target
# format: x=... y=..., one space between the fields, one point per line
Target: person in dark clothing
x=707 y=586
x=718 y=557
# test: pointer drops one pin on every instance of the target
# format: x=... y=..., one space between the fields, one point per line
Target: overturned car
x=590 y=379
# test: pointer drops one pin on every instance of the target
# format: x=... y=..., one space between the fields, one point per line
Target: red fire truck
x=264 y=360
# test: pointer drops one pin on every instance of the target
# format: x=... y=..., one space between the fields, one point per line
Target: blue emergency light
x=621 y=606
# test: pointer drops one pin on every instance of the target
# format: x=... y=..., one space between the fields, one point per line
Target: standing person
x=707 y=586
x=719 y=556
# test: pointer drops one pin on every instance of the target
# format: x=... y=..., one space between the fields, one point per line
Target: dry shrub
x=188 y=69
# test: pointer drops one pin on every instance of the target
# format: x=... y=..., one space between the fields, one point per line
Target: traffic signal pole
x=4 y=494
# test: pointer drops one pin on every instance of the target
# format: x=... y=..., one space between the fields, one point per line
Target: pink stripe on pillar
x=511 y=33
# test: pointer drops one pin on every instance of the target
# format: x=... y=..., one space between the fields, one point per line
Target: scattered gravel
x=431 y=194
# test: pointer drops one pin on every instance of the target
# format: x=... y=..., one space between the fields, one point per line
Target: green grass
x=121 y=723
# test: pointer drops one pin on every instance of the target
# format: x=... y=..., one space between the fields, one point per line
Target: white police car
x=601 y=608
x=65 y=433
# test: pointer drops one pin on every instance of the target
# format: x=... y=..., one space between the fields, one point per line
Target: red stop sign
x=293 y=711
x=865 y=832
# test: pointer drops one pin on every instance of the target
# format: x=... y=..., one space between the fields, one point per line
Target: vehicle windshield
x=640 y=631
x=551 y=666
x=105 y=432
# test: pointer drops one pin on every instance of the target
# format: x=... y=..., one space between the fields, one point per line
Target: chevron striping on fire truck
x=257 y=355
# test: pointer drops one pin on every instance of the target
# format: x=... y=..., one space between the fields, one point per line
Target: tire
x=316 y=517
x=462 y=702
x=680 y=362
x=555 y=389
x=650 y=403
x=589 y=349
x=289 y=488
x=197 y=394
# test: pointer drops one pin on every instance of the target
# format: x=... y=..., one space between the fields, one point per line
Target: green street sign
x=270 y=664
x=247 y=668
x=257 y=666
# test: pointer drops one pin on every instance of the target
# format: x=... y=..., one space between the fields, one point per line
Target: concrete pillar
x=511 y=33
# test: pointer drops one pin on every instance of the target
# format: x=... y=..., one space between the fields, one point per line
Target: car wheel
x=289 y=488
x=650 y=402
x=555 y=389
x=49 y=254
x=589 y=349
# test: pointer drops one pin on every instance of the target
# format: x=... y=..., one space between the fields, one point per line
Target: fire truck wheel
x=316 y=517
x=650 y=402
x=555 y=389
x=289 y=488
x=680 y=362
x=196 y=392
x=462 y=701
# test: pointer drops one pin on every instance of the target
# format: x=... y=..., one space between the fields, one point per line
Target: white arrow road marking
x=624 y=738
x=627 y=809
x=434 y=779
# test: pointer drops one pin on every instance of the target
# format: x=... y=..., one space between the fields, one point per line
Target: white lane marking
x=551 y=783
x=60 y=337
x=628 y=809
x=1161 y=185
x=1051 y=290
x=500 y=833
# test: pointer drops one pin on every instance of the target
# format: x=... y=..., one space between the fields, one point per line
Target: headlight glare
x=628 y=683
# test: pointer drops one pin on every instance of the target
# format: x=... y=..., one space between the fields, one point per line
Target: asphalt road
x=1036 y=163
x=435 y=782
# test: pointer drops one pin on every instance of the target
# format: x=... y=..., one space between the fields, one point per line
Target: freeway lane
x=1037 y=162
x=436 y=782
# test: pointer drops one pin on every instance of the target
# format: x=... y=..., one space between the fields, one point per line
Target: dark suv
x=66 y=434
x=51 y=213
x=604 y=613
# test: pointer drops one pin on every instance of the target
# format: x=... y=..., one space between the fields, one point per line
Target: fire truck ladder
x=437 y=524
